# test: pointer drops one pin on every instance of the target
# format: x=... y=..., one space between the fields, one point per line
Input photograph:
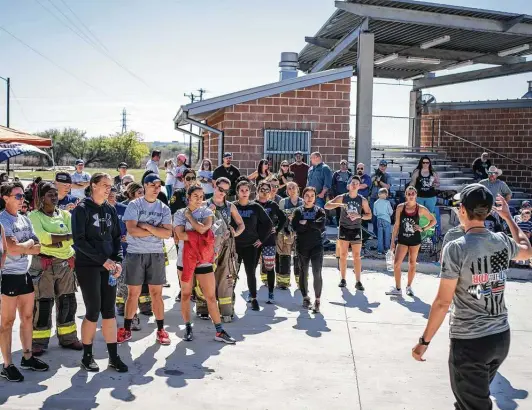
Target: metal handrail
x=487 y=149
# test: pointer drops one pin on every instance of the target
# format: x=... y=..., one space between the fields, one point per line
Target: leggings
x=268 y=264
x=98 y=295
x=249 y=255
x=306 y=256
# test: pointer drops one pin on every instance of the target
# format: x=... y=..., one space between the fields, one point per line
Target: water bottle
x=112 y=279
x=389 y=260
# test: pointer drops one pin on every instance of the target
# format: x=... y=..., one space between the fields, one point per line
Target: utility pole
x=124 y=121
x=193 y=98
x=8 y=83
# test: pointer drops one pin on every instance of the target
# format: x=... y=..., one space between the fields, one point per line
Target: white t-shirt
x=207 y=186
x=79 y=178
x=178 y=173
x=170 y=178
x=151 y=165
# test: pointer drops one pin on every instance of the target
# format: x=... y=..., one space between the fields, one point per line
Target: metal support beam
x=414 y=125
x=364 y=110
x=433 y=19
x=200 y=125
x=342 y=47
x=484 y=74
x=509 y=24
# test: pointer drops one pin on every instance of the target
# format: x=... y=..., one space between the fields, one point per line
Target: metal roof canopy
x=403 y=31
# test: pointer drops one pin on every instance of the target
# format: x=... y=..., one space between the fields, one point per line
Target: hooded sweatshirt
x=96 y=232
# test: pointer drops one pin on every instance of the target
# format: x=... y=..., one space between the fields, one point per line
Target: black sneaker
x=166 y=285
x=37 y=365
x=306 y=303
x=255 y=304
x=88 y=363
x=342 y=284
x=204 y=316
x=11 y=373
x=118 y=365
x=189 y=336
x=359 y=286
x=223 y=336
x=270 y=299
x=178 y=297
x=316 y=307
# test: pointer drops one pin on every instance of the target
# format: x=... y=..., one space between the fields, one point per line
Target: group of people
x=95 y=231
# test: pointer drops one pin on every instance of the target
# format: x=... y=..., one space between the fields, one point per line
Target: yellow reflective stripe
x=42 y=334
x=263 y=276
x=198 y=291
x=144 y=299
x=225 y=301
x=66 y=330
x=120 y=299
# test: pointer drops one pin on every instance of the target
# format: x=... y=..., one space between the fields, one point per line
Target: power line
x=52 y=62
x=19 y=105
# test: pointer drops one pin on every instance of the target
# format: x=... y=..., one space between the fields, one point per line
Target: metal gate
x=280 y=145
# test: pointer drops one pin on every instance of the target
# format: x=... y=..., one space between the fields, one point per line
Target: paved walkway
x=354 y=356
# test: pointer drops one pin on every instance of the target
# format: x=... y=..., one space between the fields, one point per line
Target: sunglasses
x=426 y=163
x=526 y=213
x=492 y=173
x=265 y=190
x=284 y=165
x=223 y=191
x=360 y=169
x=275 y=186
x=190 y=178
x=18 y=197
x=411 y=194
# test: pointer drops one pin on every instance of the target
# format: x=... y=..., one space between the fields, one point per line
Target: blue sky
x=175 y=47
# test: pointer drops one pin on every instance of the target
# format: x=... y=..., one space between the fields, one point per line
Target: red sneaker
x=123 y=335
x=162 y=337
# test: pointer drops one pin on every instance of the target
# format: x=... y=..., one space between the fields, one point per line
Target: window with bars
x=280 y=145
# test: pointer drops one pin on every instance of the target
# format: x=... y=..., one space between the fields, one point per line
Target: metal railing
x=484 y=149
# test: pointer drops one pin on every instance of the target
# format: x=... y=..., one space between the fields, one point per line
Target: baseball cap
x=344 y=161
x=47 y=186
x=122 y=165
x=182 y=157
x=228 y=154
x=298 y=153
x=63 y=177
x=79 y=161
x=476 y=198
x=152 y=178
x=383 y=162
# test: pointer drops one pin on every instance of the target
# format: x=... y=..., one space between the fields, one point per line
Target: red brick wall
x=322 y=109
x=507 y=131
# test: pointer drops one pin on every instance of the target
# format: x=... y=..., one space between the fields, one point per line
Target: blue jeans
x=429 y=203
x=384 y=235
x=373 y=217
x=320 y=202
x=169 y=190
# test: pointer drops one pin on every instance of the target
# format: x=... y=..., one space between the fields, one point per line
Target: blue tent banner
x=12 y=150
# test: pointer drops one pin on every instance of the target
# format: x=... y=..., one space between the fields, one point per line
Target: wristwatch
x=423 y=342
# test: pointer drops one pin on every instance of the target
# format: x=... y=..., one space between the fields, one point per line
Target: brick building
x=504 y=127
x=307 y=113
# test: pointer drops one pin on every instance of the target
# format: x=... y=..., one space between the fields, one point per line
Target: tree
x=127 y=148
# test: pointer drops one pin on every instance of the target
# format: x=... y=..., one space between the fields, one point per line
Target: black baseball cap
x=63 y=177
x=298 y=153
x=79 y=161
x=383 y=162
x=476 y=198
x=122 y=165
x=152 y=178
x=228 y=154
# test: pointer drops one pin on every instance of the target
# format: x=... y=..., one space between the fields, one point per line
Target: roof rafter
x=434 y=19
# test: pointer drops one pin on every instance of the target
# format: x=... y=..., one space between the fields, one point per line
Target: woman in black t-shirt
x=285 y=176
x=426 y=181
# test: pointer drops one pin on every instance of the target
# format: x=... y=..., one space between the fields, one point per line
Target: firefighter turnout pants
x=285 y=248
x=54 y=281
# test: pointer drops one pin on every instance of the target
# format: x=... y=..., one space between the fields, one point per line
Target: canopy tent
x=12 y=150
x=9 y=135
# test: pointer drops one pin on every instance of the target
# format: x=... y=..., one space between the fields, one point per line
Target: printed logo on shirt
x=246 y=213
x=98 y=220
x=309 y=215
x=489 y=280
x=408 y=224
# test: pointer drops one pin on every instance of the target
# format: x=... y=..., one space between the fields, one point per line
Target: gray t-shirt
x=180 y=220
x=153 y=213
x=496 y=188
x=480 y=262
x=452 y=234
x=78 y=178
x=20 y=228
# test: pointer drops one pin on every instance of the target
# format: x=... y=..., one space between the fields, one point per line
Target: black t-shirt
x=178 y=200
x=278 y=219
x=258 y=224
x=231 y=173
x=284 y=179
x=309 y=234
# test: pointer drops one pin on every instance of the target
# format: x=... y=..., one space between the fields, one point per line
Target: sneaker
x=162 y=337
x=166 y=285
x=203 y=316
x=11 y=373
x=359 y=286
x=316 y=307
x=37 y=365
x=123 y=335
x=342 y=284
x=37 y=350
x=178 y=297
x=118 y=365
x=270 y=299
x=409 y=291
x=306 y=303
x=88 y=363
x=135 y=323
x=223 y=336
x=75 y=345
x=147 y=312
x=188 y=334
x=394 y=292
x=255 y=304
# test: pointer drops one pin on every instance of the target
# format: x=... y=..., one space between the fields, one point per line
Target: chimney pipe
x=529 y=93
x=289 y=65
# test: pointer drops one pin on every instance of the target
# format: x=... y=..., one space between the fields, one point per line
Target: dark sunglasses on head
x=224 y=191
x=360 y=169
x=265 y=190
x=18 y=197
x=190 y=178
x=284 y=165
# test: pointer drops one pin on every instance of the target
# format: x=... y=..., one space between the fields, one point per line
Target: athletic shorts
x=144 y=268
x=353 y=236
x=17 y=285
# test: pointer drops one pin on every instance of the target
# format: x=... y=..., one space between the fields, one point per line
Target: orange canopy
x=9 y=135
